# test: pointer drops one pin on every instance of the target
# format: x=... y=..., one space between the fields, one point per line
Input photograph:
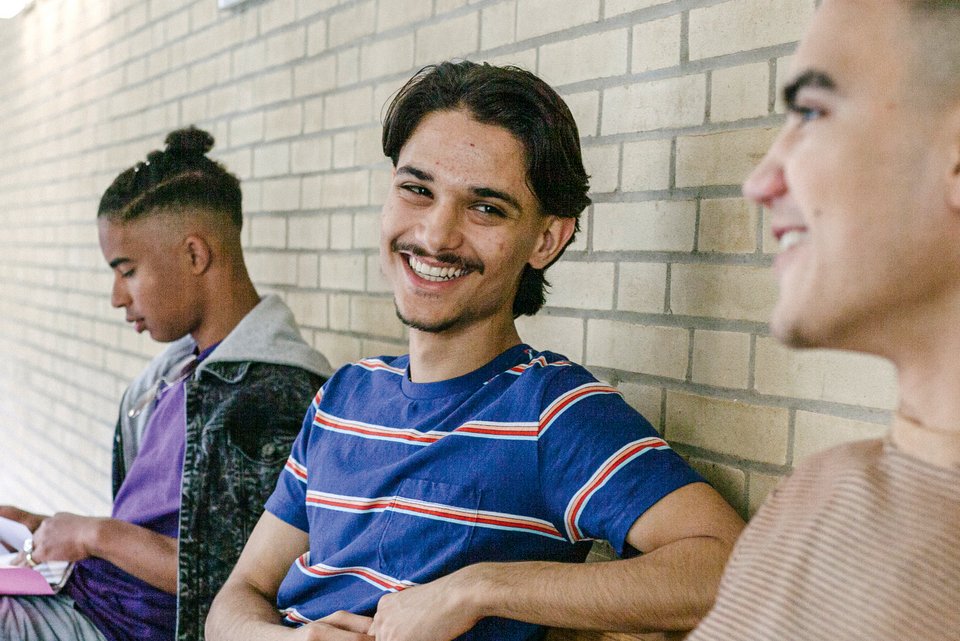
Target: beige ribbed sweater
x=861 y=543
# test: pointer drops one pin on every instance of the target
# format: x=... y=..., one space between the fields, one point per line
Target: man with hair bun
x=203 y=431
x=453 y=492
x=862 y=188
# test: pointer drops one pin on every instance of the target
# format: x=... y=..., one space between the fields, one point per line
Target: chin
x=431 y=326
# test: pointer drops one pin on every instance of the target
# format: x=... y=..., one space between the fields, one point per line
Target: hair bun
x=190 y=141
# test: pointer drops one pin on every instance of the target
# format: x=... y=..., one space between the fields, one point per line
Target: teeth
x=434 y=274
x=791 y=238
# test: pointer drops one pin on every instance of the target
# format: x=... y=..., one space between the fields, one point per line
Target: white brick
x=721 y=358
x=338 y=271
x=724 y=158
x=618 y=7
x=271 y=160
x=351 y=23
x=645 y=399
x=451 y=38
x=581 y=285
x=741 y=25
x=644 y=226
x=539 y=17
x=385 y=57
x=397 y=13
x=348 y=108
x=658 y=104
x=642 y=287
x=553 y=333
x=498 y=25
x=603 y=165
x=598 y=55
x=309 y=308
x=740 y=92
x=308 y=232
x=656 y=44
x=269 y=232
x=660 y=351
x=646 y=165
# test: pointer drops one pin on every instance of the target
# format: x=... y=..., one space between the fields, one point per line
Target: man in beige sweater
x=863 y=192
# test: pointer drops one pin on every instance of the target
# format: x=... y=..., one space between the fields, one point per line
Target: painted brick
x=374 y=316
x=498 y=25
x=656 y=44
x=385 y=57
x=658 y=104
x=644 y=226
x=824 y=375
x=721 y=358
x=398 y=13
x=276 y=14
x=283 y=122
x=553 y=333
x=344 y=146
x=345 y=189
x=646 y=165
x=272 y=160
x=348 y=108
x=642 y=287
x=281 y=194
x=741 y=25
x=452 y=38
x=310 y=155
x=817 y=432
x=269 y=232
x=598 y=55
x=734 y=428
x=339 y=271
x=272 y=268
x=727 y=225
x=317 y=38
x=376 y=283
x=602 y=164
x=660 y=351
x=581 y=285
x=722 y=291
x=315 y=76
x=341 y=231
x=366 y=231
x=286 y=47
x=740 y=92
x=585 y=108
x=352 y=23
x=307 y=232
x=724 y=158
x=348 y=67
x=539 y=17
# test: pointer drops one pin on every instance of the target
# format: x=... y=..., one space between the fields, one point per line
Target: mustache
x=444 y=257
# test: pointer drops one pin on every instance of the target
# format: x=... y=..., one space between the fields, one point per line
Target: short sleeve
x=601 y=464
x=288 y=501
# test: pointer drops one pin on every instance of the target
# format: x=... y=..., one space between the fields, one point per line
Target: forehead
x=859 y=43
x=454 y=148
x=134 y=238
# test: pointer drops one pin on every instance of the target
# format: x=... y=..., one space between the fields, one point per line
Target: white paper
x=13 y=533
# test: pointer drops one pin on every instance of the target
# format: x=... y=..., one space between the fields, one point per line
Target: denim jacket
x=244 y=406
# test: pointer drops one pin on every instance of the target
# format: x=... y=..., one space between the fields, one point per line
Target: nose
x=119 y=296
x=766 y=183
x=439 y=229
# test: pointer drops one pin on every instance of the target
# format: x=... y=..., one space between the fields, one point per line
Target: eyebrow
x=811 y=78
x=480 y=192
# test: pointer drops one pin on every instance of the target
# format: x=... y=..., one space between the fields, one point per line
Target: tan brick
x=345 y=189
x=398 y=13
x=249 y=59
x=603 y=165
x=644 y=226
x=824 y=375
x=309 y=308
x=724 y=158
x=344 y=146
x=646 y=165
x=729 y=427
x=454 y=37
x=538 y=17
x=642 y=287
x=339 y=311
x=656 y=44
x=269 y=232
x=581 y=285
x=342 y=272
x=645 y=349
x=498 y=25
x=727 y=225
x=271 y=160
x=730 y=482
x=722 y=291
x=760 y=487
x=598 y=55
x=286 y=47
x=339 y=349
x=366 y=231
x=657 y=104
x=272 y=87
x=817 y=432
x=375 y=316
x=721 y=358
x=283 y=122
x=315 y=76
x=348 y=25
x=385 y=57
x=341 y=231
x=308 y=232
x=310 y=155
x=348 y=108
x=376 y=283
x=553 y=333
x=643 y=398
x=740 y=92
x=279 y=13
x=741 y=25
x=272 y=268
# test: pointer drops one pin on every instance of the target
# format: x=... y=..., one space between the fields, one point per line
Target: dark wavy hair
x=524 y=105
x=180 y=176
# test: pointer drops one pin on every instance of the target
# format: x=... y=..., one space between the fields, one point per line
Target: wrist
x=96 y=536
x=479 y=590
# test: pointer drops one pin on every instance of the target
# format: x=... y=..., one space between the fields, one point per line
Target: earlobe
x=553 y=240
x=199 y=253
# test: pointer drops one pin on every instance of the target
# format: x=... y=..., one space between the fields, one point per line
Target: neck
x=444 y=355
x=224 y=311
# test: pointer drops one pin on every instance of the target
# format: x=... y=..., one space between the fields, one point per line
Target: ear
x=953 y=179
x=199 y=253
x=552 y=240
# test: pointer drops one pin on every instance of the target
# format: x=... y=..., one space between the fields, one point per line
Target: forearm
x=146 y=555
x=671 y=588
x=240 y=613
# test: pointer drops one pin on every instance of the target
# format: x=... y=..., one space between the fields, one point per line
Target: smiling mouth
x=790 y=238
x=433 y=273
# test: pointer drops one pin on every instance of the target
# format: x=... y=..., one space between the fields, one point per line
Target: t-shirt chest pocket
x=428 y=530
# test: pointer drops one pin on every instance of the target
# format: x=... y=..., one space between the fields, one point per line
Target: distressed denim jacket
x=244 y=406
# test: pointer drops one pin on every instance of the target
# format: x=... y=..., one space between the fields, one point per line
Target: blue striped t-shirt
x=400 y=483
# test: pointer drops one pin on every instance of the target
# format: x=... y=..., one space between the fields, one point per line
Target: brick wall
x=665 y=293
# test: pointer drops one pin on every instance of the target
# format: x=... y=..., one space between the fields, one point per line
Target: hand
x=339 y=626
x=438 y=611
x=31 y=520
x=64 y=537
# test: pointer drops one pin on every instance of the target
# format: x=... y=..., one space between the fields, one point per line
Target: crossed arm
x=146 y=555
x=687 y=537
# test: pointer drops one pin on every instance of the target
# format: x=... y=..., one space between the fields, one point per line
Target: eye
x=416 y=189
x=807 y=113
x=128 y=273
x=489 y=210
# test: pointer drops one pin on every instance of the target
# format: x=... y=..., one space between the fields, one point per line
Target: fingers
x=348 y=621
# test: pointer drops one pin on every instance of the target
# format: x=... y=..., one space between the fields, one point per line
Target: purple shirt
x=123 y=607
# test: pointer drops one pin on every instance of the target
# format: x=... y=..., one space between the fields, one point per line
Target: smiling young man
x=204 y=429
x=446 y=492
x=862 y=542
